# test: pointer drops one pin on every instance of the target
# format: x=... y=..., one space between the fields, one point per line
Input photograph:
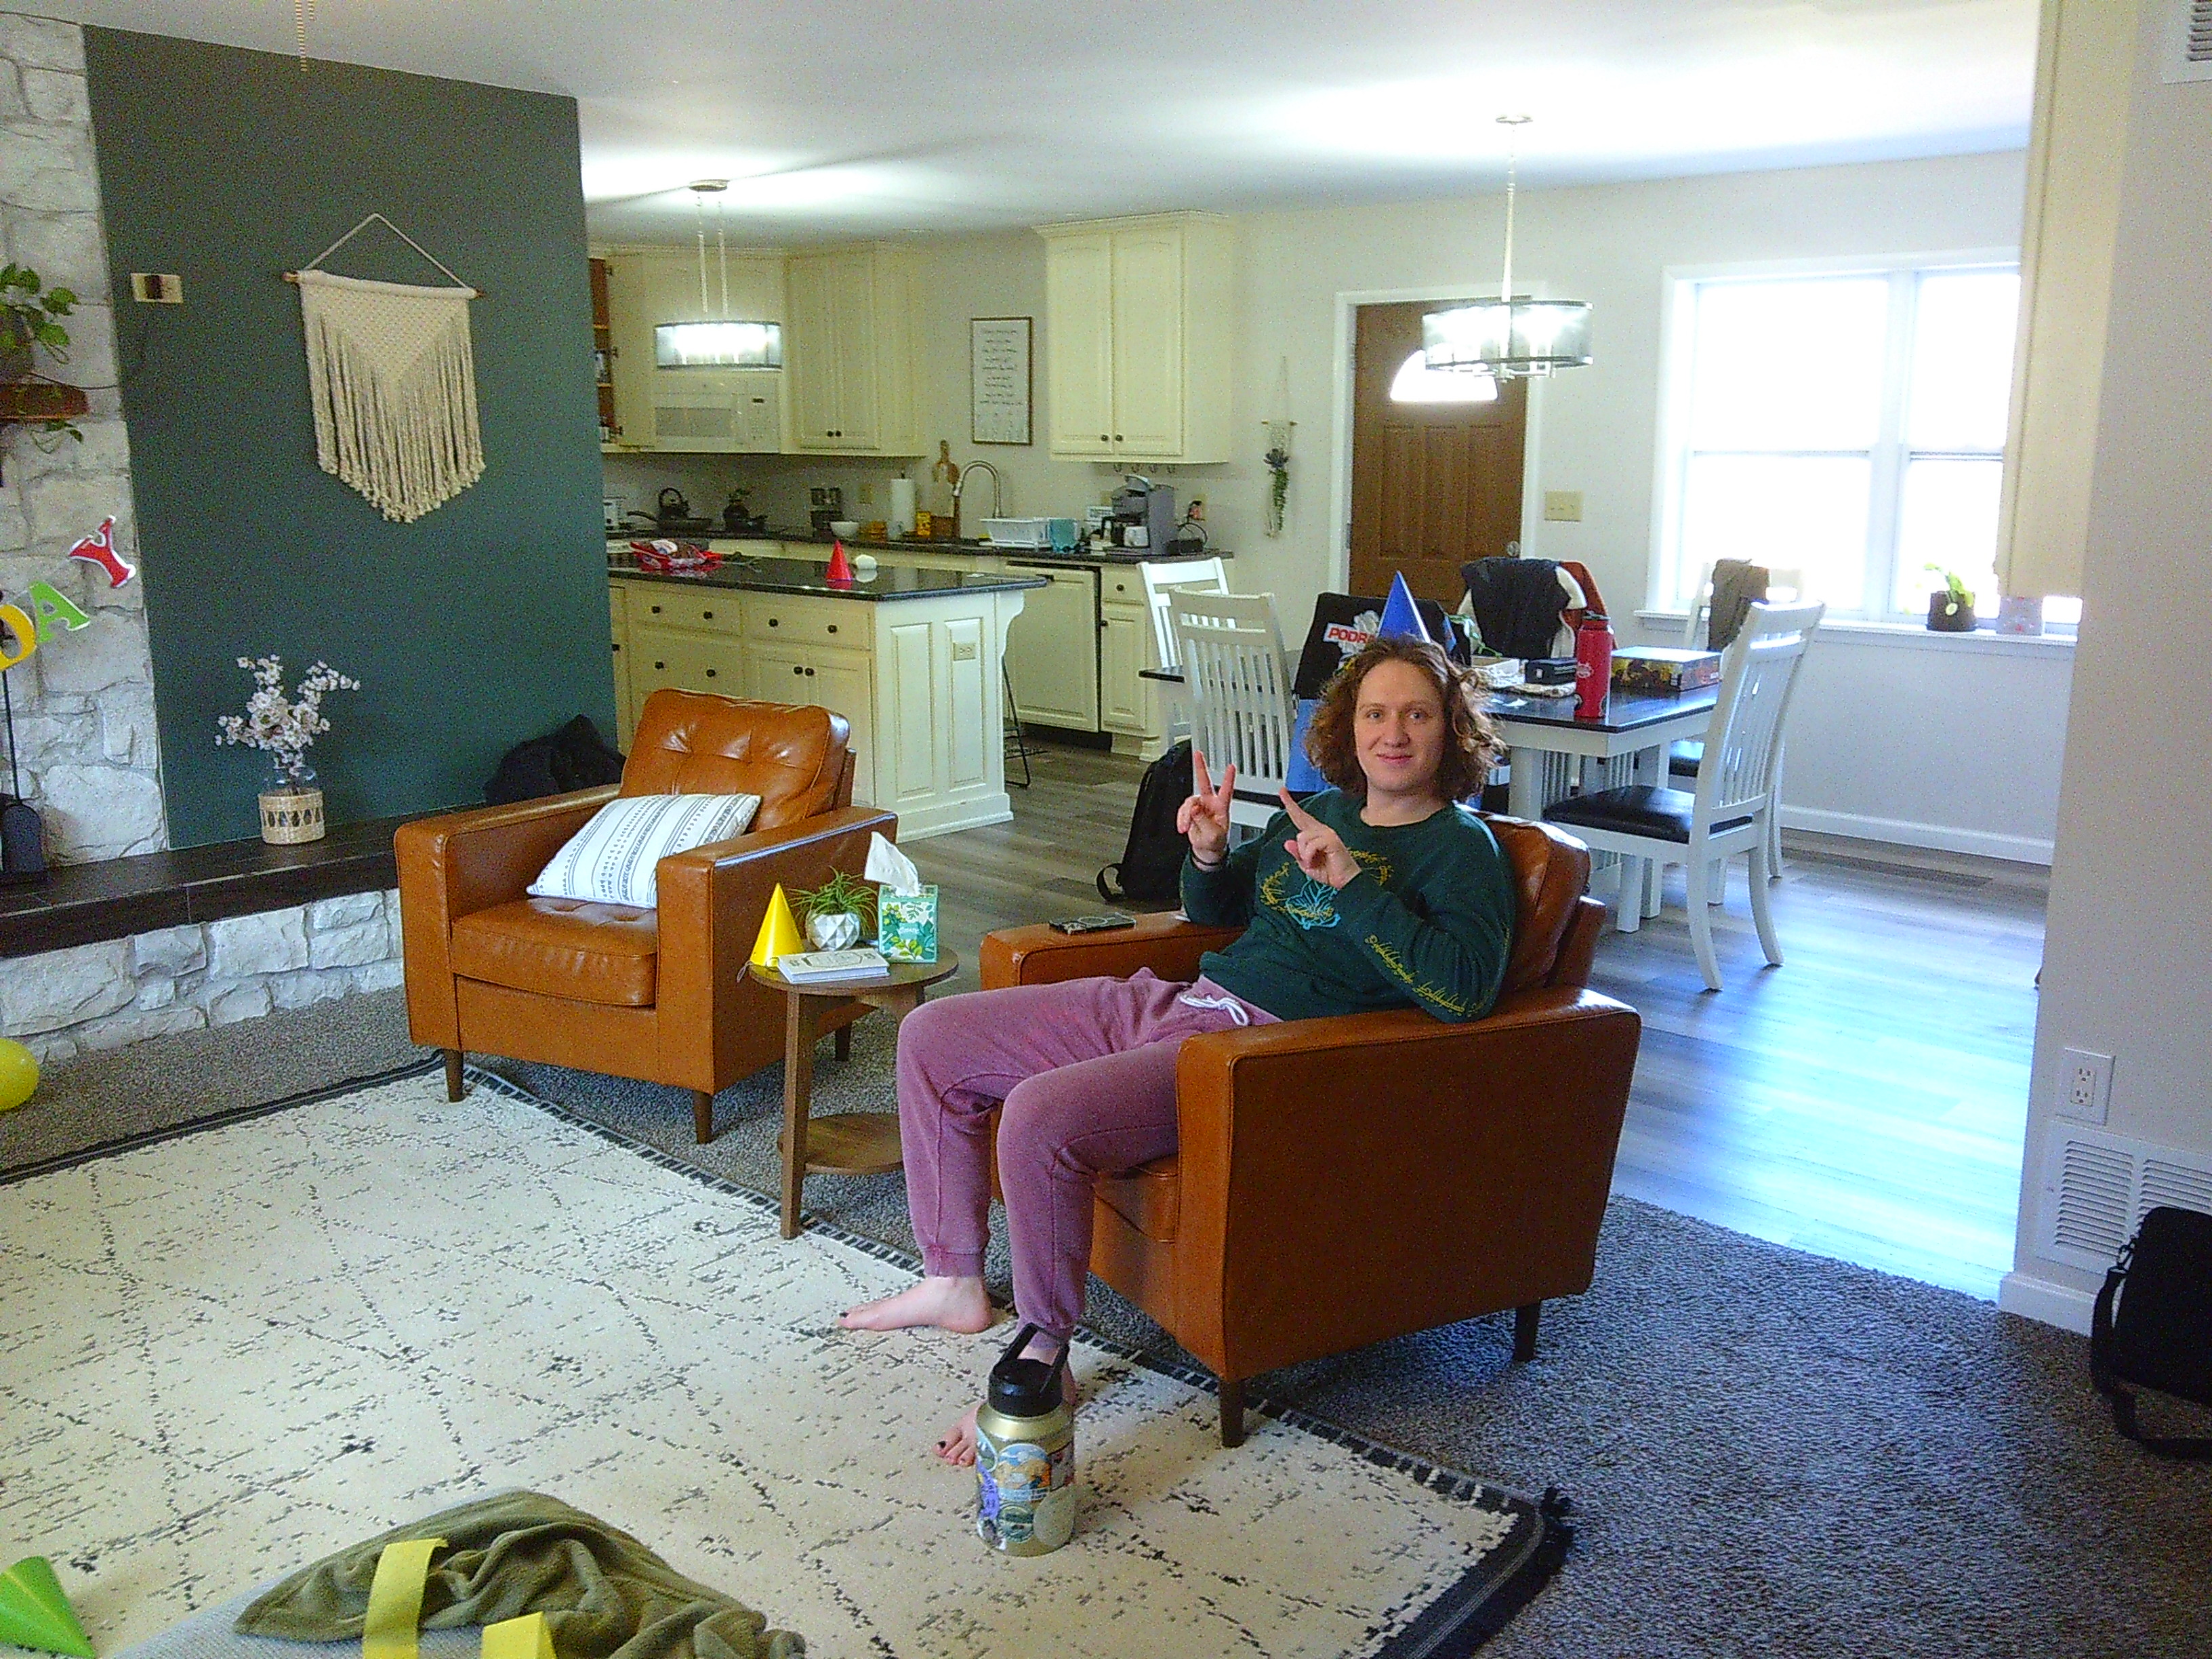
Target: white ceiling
x=838 y=118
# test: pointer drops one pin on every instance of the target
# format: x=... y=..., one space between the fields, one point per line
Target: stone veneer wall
x=91 y=997
x=84 y=703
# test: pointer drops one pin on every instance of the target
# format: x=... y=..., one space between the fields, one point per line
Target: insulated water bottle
x=1593 y=665
x=1025 y=1455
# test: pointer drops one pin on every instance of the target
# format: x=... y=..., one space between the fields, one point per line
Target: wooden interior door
x=1433 y=485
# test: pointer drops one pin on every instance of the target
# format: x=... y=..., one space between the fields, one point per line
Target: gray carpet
x=1769 y=1453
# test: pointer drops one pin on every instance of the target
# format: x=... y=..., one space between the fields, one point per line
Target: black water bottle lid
x=1026 y=1388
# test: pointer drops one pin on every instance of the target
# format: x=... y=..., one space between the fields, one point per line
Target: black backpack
x=574 y=758
x=1151 y=868
x=2160 y=1336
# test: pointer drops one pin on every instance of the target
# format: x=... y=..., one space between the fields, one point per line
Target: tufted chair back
x=691 y=743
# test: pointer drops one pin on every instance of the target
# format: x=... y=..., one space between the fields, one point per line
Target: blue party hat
x=1400 y=616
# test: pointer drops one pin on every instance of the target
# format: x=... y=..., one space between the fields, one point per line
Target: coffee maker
x=1144 y=514
x=826 y=505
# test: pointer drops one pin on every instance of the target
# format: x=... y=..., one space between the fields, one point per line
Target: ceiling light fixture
x=1513 y=337
x=725 y=343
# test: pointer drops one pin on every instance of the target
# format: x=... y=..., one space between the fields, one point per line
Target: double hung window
x=1845 y=428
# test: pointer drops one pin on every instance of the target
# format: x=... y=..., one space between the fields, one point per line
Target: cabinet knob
x=617 y=645
x=710 y=673
x=705 y=615
x=833 y=627
x=773 y=623
x=809 y=673
x=798 y=668
x=1103 y=439
x=660 y=665
x=656 y=611
x=1117 y=437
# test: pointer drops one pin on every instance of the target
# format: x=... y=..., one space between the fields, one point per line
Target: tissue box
x=1668 y=673
x=906 y=925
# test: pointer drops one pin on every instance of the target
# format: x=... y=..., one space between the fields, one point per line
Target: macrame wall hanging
x=393 y=379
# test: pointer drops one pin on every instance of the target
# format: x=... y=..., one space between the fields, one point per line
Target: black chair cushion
x=1639 y=810
x=1684 y=758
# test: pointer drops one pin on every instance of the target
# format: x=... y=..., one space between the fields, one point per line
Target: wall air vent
x=2188 y=54
x=2096 y=1187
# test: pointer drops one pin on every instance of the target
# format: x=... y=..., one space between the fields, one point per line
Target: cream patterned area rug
x=225 y=1355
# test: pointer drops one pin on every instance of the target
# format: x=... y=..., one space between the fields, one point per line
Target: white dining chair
x=1733 y=807
x=1237 y=692
x=1682 y=758
x=1163 y=581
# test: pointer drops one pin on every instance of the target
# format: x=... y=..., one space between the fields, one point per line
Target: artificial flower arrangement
x=276 y=723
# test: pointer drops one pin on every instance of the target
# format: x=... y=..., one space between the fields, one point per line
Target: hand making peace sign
x=1204 y=818
x=1317 y=849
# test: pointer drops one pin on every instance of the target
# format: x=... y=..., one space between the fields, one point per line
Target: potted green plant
x=835 y=912
x=1950 y=607
x=30 y=314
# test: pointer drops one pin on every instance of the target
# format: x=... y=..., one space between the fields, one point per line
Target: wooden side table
x=845 y=1143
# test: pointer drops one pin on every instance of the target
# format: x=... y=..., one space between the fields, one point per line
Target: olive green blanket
x=604 y=1596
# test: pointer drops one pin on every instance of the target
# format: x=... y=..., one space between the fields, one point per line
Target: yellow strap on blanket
x=395 y=1599
x=526 y=1637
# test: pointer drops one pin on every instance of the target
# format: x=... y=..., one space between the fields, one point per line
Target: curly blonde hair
x=1468 y=753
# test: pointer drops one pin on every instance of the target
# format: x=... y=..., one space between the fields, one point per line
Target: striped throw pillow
x=615 y=857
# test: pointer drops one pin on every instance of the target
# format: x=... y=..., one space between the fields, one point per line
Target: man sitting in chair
x=1380 y=892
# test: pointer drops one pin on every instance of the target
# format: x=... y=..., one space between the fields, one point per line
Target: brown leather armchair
x=660 y=996
x=1341 y=1180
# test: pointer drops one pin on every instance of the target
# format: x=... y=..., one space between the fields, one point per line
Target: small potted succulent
x=835 y=912
x=1950 y=607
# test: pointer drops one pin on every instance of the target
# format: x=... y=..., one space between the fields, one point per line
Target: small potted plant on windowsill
x=1950 y=607
x=837 y=912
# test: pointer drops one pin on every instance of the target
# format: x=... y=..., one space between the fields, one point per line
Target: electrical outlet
x=2085 y=1080
x=866 y=496
x=155 y=288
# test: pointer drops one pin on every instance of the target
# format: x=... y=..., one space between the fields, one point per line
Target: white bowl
x=845 y=526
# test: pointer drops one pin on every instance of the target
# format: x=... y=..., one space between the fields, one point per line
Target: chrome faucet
x=960 y=486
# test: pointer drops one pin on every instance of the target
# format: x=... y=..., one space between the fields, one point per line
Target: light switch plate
x=1563 y=506
x=157 y=287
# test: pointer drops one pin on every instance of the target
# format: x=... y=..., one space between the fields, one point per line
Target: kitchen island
x=911 y=657
x=1075 y=660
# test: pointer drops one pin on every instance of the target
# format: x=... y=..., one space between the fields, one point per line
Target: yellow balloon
x=19 y=1074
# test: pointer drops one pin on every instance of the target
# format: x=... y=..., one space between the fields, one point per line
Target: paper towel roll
x=902 y=519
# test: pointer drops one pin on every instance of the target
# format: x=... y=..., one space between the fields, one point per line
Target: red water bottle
x=1593 y=665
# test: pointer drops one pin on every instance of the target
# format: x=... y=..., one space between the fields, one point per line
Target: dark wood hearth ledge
x=85 y=903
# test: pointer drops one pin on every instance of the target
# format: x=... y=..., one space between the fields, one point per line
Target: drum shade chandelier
x=723 y=345
x=1513 y=337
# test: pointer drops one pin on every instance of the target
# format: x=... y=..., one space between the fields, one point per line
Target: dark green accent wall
x=473 y=628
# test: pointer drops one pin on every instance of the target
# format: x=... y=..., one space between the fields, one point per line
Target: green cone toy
x=35 y=1613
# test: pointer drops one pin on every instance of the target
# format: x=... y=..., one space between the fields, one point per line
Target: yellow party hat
x=35 y=1613
x=778 y=932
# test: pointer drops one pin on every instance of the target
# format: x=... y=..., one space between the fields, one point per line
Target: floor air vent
x=2096 y=1187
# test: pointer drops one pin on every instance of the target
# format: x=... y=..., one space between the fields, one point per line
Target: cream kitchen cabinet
x=850 y=350
x=1138 y=338
x=915 y=675
x=1052 y=653
x=618 y=625
x=1129 y=704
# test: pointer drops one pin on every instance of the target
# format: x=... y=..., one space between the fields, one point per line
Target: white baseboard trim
x=1905 y=832
x=2053 y=1304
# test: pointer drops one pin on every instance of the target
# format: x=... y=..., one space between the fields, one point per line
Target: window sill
x=1904 y=636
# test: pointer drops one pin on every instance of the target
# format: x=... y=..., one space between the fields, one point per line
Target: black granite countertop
x=1120 y=556
x=889 y=581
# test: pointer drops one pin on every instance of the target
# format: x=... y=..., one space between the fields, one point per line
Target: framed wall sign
x=999 y=379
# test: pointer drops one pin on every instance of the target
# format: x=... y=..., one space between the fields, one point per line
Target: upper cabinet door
x=1148 y=355
x=1079 y=343
x=811 y=355
x=852 y=284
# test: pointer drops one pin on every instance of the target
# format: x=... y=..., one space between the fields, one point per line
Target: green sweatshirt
x=1428 y=920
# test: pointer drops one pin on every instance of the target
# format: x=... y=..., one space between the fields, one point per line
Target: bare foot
x=956 y=1445
x=949 y=1304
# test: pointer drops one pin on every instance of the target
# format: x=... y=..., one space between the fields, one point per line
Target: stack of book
x=812 y=967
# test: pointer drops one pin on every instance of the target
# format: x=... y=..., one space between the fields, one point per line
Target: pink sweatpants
x=1086 y=1070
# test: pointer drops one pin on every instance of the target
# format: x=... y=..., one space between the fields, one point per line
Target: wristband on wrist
x=1203 y=864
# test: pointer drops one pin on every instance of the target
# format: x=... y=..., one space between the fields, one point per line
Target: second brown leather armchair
x=1342 y=1181
x=661 y=995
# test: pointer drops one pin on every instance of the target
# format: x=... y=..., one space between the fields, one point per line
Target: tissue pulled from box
x=891 y=867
